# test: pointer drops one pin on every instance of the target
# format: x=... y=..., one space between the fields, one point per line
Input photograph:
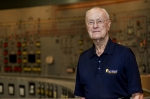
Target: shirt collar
x=108 y=49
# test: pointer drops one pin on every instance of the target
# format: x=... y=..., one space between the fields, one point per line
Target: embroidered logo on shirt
x=111 y=71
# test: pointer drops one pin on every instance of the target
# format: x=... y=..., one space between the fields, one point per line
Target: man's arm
x=133 y=76
x=82 y=98
x=137 y=96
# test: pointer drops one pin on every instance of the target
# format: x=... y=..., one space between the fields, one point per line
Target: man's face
x=97 y=24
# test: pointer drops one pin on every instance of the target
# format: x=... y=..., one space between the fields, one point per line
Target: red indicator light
x=5 y=69
x=9 y=68
x=18 y=44
x=15 y=68
x=19 y=52
x=5 y=61
x=5 y=52
x=19 y=60
x=19 y=68
x=5 y=44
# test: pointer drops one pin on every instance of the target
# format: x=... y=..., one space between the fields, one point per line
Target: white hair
x=107 y=15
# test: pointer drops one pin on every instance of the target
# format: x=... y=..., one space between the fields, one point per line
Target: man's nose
x=95 y=25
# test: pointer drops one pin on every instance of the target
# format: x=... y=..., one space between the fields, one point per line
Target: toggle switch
x=22 y=90
x=1 y=88
x=11 y=90
x=31 y=88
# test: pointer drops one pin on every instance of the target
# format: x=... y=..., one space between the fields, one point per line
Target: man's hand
x=137 y=96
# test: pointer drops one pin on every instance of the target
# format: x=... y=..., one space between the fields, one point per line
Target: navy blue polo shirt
x=112 y=75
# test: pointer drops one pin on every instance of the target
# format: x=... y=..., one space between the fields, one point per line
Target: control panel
x=49 y=44
x=12 y=87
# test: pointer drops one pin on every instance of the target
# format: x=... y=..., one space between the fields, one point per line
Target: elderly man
x=107 y=70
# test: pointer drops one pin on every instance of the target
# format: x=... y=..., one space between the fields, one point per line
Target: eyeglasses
x=98 y=22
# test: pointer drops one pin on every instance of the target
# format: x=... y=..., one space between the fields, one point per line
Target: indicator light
x=18 y=44
x=19 y=60
x=19 y=69
x=38 y=91
x=80 y=51
x=15 y=68
x=5 y=61
x=23 y=44
x=19 y=52
x=9 y=68
x=5 y=53
x=80 y=42
x=24 y=60
x=5 y=44
x=34 y=69
x=38 y=44
x=5 y=69
x=39 y=69
x=24 y=52
x=24 y=69
x=38 y=61
x=28 y=69
x=38 y=52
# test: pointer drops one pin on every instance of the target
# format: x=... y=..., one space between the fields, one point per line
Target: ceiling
x=13 y=4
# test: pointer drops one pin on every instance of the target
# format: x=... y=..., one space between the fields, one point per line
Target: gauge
x=49 y=59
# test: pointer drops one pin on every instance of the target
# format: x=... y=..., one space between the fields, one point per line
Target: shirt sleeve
x=79 y=88
x=132 y=74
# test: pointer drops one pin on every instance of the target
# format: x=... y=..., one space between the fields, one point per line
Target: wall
x=62 y=34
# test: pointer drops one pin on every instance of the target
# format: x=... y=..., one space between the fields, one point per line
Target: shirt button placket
x=99 y=65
